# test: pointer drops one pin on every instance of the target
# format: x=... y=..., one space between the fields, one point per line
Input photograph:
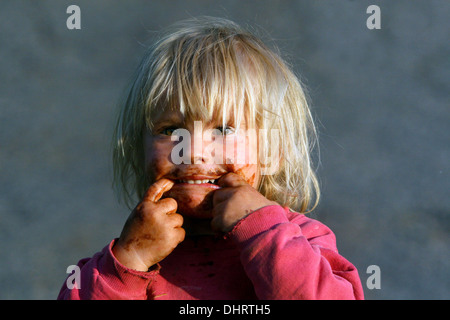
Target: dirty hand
x=235 y=200
x=152 y=231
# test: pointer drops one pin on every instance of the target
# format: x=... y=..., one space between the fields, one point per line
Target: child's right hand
x=152 y=231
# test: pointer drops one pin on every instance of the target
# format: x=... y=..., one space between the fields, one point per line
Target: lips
x=191 y=181
x=193 y=194
x=197 y=180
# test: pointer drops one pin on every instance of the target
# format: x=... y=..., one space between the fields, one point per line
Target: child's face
x=207 y=157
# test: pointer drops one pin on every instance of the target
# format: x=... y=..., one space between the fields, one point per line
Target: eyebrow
x=169 y=118
x=175 y=118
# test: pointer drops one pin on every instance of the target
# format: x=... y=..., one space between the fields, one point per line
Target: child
x=214 y=138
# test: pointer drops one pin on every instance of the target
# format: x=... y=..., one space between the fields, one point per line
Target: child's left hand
x=235 y=200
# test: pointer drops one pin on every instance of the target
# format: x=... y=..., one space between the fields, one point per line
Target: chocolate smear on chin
x=188 y=208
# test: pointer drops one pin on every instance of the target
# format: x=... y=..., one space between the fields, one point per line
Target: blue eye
x=226 y=130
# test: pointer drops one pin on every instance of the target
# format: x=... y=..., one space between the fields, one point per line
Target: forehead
x=171 y=115
x=167 y=115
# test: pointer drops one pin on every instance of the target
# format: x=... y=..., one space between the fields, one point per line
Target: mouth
x=194 y=193
x=198 y=181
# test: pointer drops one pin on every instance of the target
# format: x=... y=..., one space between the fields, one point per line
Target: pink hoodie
x=273 y=253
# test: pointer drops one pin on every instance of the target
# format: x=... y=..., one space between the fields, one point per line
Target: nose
x=197 y=147
x=197 y=155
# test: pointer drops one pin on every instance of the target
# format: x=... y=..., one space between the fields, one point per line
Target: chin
x=193 y=201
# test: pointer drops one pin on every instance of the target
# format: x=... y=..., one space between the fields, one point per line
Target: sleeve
x=102 y=277
x=289 y=256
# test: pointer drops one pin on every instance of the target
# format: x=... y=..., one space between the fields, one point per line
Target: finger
x=231 y=180
x=177 y=220
x=217 y=222
x=156 y=190
x=168 y=205
x=221 y=195
x=218 y=210
x=181 y=234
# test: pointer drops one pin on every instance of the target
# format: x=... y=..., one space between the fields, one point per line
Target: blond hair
x=207 y=65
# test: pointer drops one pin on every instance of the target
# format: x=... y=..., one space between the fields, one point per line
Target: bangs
x=217 y=76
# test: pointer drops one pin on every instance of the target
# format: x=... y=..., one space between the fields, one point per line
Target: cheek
x=240 y=150
x=241 y=157
x=157 y=160
x=249 y=172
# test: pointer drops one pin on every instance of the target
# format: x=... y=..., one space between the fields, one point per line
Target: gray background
x=380 y=97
